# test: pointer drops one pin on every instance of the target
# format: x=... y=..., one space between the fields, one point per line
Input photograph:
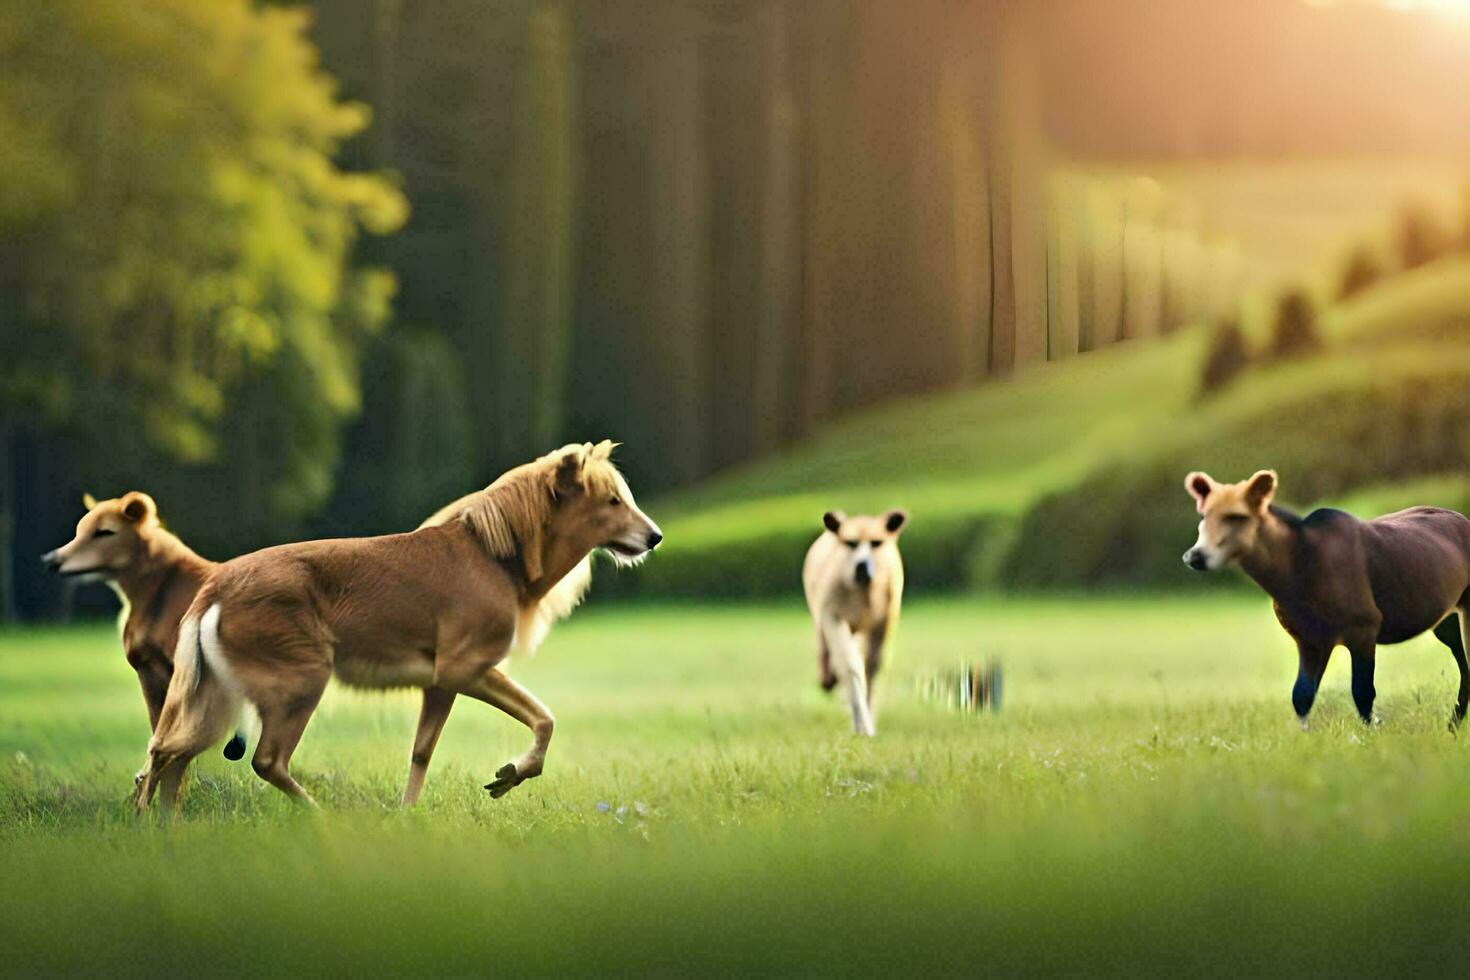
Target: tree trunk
x=538 y=307
x=780 y=231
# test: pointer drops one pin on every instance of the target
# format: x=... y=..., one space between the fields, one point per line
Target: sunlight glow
x=1455 y=7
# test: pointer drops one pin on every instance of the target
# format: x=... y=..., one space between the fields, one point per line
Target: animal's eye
x=615 y=502
x=876 y=544
x=850 y=544
x=1235 y=520
x=103 y=532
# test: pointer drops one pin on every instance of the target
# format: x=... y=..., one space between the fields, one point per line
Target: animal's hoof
x=235 y=748
x=1306 y=725
x=505 y=780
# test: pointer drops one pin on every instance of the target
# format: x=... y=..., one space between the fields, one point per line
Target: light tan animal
x=853 y=577
x=121 y=542
x=438 y=608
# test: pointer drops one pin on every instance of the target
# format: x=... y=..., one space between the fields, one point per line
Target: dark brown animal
x=121 y=542
x=1336 y=580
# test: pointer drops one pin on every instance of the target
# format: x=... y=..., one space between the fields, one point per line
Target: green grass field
x=1143 y=802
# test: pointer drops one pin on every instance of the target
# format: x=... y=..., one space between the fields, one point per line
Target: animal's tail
x=235 y=747
x=189 y=654
x=201 y=702
x=197 y=711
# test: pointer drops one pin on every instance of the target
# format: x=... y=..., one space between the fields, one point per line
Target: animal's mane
x=1288 y=517
x=509 y=517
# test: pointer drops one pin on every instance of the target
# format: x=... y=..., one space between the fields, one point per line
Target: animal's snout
x=654 y=537
x=51 y=560
x=1195 y=559
x=863 y=572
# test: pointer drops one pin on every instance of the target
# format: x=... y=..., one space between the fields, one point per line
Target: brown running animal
x=438 y=608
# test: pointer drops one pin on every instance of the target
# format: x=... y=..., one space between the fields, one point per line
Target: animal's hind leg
x=1364 y=653
x=190 y=722
x=825 y=675
x=171 y=781
x=281 y=726
x=1451 y=631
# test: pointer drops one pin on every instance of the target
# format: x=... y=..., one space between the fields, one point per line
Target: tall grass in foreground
x=1143 y=801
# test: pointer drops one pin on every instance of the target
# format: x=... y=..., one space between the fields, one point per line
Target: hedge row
x=1128 y=522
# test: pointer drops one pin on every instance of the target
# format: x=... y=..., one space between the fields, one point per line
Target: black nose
x=1195 y=560
x=863 y=573
x=654 y=537
x=50 y=560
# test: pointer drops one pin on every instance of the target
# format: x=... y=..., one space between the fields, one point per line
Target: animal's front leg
x=848 y=660
x=495 y=688
x=432 y=716
x=1312 y=662
x=154 y=682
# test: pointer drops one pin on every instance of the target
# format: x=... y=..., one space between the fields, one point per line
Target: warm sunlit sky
x=1448 y=6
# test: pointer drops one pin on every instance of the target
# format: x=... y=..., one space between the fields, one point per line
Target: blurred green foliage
x=176 y=284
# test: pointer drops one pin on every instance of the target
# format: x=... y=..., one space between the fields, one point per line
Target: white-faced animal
x=853 y=578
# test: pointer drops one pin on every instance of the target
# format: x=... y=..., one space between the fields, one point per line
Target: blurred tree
x=412 y=451
x=174 y=276
x=1361 y=271
x=1228 y=356
x=1421 y=240
x=1294 y=330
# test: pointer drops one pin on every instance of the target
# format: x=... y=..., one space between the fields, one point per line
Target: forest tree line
x=310 y=270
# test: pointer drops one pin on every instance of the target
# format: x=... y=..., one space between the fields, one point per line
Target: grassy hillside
x=1068 y=475
x=1144 y=796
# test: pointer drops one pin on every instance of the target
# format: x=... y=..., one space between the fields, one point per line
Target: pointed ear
x=89 y=501
x=833 y=520
x=1199 y=485
x=895 y=519
x=569 y=469
x=604 y=449
x=138 y=507
x=1260 y=489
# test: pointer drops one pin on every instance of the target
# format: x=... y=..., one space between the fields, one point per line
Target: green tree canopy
x=173 y=228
